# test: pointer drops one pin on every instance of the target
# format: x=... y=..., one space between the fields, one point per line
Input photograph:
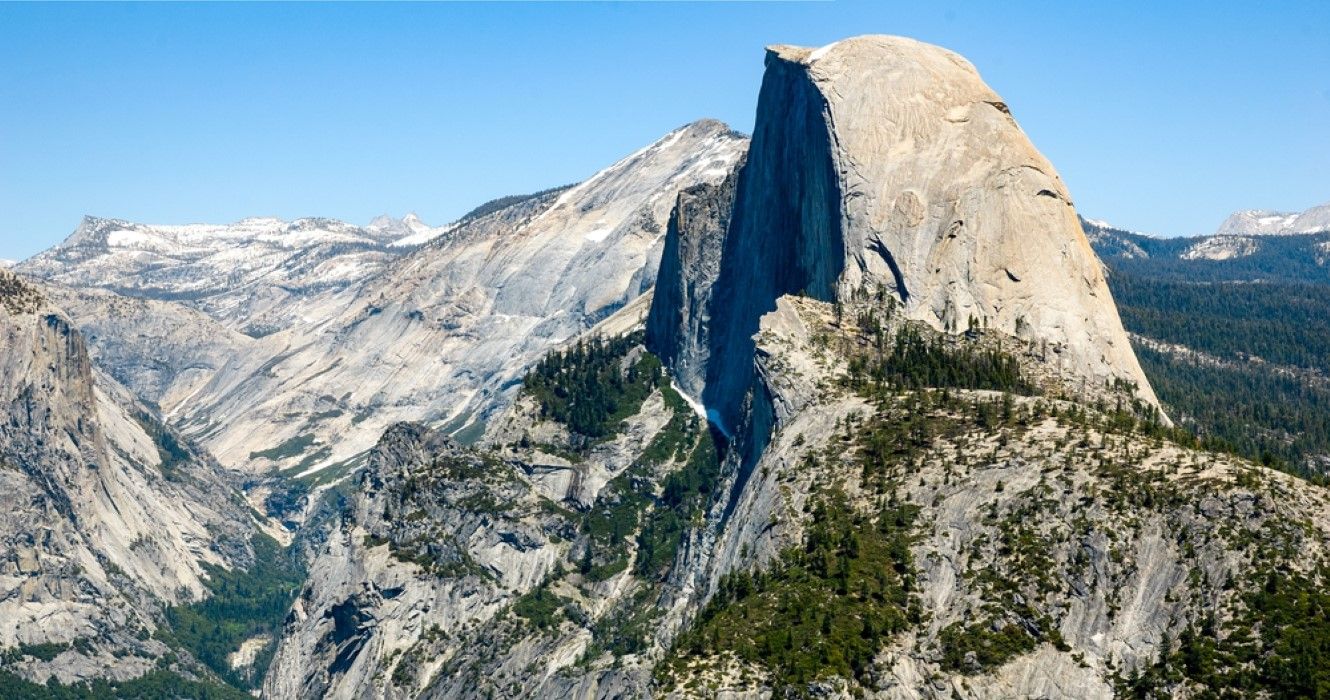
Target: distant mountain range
x=1302 y=257
x=1234 y=333
x=849 y=408
x=1260 y=222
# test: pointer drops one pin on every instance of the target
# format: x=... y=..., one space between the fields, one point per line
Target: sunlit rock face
x=678 y=327
x=883 y=161
x=108 y=514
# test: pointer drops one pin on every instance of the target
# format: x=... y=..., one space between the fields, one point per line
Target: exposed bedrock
x=679 y=321
x=884 y=161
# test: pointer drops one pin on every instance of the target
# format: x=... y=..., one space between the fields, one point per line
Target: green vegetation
x=1273 y=306
x=631 y=506
x=1287 y=324
x=684 y=496
x=45 y=651
x=171 y=452
x=983 y=645
x=242 y=604
x=501 y=203
x=1277 y=260
x=1278 y=419
x=154 y=685
x=584 y=388
x=17 y=296
x=625 y=629
x=823 y=609
x=1277 y=646
x=540 y=606
x=654 y=502
x=289 y=448
x=905 y=359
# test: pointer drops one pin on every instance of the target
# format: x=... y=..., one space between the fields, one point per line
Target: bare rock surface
x=885 y=161
x=109 y=514
x=1260 y=222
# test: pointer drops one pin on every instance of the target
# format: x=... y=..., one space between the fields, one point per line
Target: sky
x=1160 y=119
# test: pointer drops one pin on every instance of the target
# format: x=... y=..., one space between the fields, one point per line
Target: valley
x=855 y=406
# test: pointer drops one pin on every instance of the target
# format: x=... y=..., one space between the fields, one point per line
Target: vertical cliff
x=678 y=324
x=885 y=162
x=108 y=516
x=785 y=229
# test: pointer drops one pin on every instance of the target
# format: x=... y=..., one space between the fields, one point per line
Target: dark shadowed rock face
x=784 y=236
x=677 y=327
x=885 y=163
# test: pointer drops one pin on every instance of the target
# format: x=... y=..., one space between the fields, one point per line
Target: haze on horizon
x=1160 y=120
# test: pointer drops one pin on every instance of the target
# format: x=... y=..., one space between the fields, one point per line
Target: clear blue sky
x=1162 y=120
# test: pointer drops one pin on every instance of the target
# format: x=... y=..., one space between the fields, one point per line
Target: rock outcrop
x=1260 y=222
x=679 y=321
x=457 y=572
x=1103 y=545
x=161 y=350
x=109 y=515
x=885 y=161
x=441 y=336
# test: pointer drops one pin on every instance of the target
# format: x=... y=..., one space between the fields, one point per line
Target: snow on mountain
x=256 y=275
x=408 y=231
x=442 y=335
x=5 y=264
x=1260 y=222
x=354 y=328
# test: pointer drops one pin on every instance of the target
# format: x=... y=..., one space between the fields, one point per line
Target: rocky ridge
x=256 y=276
x=369 y=331
x=1260 y=222
x=111 y=516
x=933 y=513
x=442 y=335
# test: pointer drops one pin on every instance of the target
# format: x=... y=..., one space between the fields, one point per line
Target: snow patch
x=597 y=235
x=128 y=239
x=420 y=237
x=819 y=53
x=693 y=403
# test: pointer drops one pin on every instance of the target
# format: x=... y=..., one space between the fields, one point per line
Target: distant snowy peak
x=1260 y=222
x=5 y=263
x=172 y=239
x=1108 y=226
x=256 y=275
x=406 y=232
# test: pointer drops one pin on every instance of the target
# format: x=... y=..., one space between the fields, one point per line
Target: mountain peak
x=881 y=161
x=93 y=230
x=709 y=126
x=1263 y=222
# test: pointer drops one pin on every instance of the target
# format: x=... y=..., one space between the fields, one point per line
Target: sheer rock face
x=161 y=350
x=108 y=514
x=677 y=327
x=885 y=161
